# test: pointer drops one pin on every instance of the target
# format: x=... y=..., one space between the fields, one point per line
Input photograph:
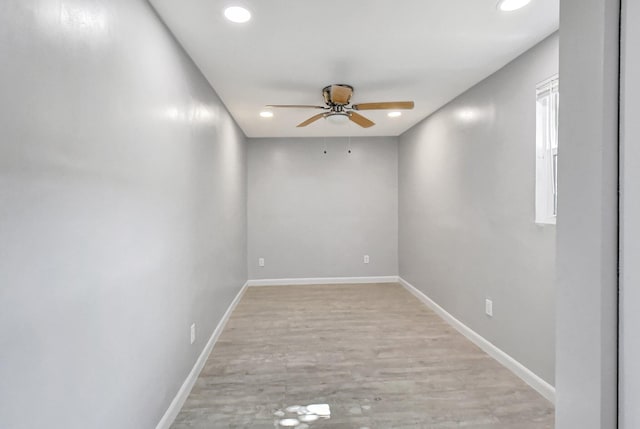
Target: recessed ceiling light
x=510 y=5
x=394 y=114
x=237 y=14
x=266 y=114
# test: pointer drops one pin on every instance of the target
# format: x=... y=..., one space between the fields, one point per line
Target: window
x=547 y=102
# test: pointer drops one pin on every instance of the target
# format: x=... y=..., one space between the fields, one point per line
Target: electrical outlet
x=261 y=262
x=366 y=259
x=193 y=333
x=488 y=307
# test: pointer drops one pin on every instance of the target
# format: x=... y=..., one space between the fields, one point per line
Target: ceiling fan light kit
x=339 y=110
x=337 y=118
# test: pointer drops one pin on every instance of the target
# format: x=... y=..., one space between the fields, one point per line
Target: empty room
x=303 y=214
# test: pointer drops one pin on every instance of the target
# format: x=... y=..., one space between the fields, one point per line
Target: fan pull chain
x=349 y=145
x=324 y=139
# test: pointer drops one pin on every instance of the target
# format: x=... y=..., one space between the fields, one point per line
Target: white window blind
x=547 y=103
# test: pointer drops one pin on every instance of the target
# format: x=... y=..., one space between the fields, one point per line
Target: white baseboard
x=323 y=281
x=537 y=383
x=180 y=398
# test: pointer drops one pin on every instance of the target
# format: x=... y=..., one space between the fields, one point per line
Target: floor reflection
x=302 y=416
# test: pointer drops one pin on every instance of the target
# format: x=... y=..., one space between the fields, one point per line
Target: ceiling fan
x=337 y=99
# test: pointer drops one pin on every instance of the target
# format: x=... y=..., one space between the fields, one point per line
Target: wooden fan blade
x=340 y=94
x=360 y=120
x=385 y=105
x=295 y=106
x=311 y=120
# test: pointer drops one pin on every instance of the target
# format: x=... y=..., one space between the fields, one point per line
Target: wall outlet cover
x=366 y=259
x=193 y=333
x=261 y=262
x=488 y=307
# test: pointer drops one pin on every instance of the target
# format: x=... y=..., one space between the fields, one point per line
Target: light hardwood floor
x=375 y=354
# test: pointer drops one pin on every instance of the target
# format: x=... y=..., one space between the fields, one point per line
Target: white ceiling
x=428 y=51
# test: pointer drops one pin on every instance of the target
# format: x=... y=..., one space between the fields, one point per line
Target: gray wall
x=122 y=214
x=587 y=215
x=630 y=219
x=467 y=232
x=316 y=215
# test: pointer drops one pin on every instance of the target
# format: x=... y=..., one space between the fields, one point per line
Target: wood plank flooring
x=375 y=354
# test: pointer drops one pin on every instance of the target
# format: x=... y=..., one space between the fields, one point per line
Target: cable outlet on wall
x=193 y=333
x=261 y=262
x=366 y=259
x=488 y=307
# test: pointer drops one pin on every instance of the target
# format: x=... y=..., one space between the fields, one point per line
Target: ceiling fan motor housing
x=333 y=99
